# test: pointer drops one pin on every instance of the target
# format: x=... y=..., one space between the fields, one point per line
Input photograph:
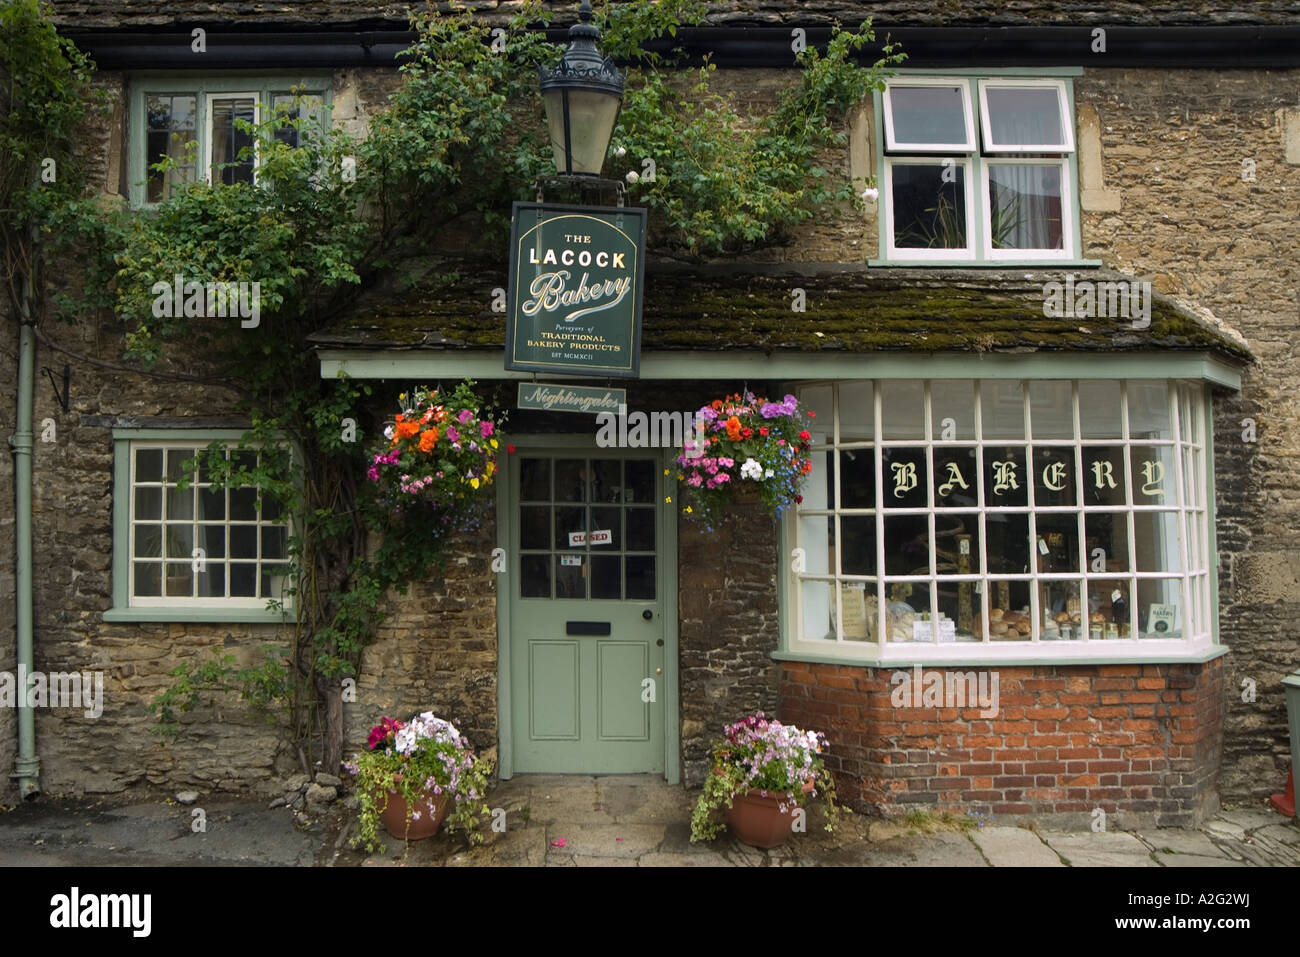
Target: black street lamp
x=582 y=95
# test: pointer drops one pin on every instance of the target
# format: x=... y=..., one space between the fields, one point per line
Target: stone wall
x=1138 y=740
x=727 y=629
x=1173 y=144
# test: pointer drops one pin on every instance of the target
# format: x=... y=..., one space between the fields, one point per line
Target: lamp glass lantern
x=582 y=95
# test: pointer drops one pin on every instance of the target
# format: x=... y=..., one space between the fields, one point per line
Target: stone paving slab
x=942 y=849
x=627 y=841
x=1195 y=860
x=1101 y=849
x=1014 y=847
x=1181 y=841
x=659 y=859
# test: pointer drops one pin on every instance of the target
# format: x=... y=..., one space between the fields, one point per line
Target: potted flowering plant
x=762 y=771
x=438 y=455
x=415 y=775
x=746 y=445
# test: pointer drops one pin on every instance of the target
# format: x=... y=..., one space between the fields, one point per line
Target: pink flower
x=486 y=429
x=452 y=435
x=465 y=416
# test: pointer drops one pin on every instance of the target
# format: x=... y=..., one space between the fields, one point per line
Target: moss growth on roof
x=853 y=311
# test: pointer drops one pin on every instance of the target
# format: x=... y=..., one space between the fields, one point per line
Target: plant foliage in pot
x=763 y=771
x=414 y=776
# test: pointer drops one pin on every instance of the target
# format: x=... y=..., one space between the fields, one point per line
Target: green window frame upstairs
x=194 y=121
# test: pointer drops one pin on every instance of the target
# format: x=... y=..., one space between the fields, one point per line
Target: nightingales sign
x=577 y=275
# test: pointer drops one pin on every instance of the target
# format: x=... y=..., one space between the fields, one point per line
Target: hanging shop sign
x=547 y=397
x=577 y=276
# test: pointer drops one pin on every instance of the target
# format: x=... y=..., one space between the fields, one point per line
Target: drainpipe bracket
x=27 y=767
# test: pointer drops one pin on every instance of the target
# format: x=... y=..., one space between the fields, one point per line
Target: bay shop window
x=1007 y=517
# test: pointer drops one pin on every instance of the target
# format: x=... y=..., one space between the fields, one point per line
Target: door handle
x=647 y=614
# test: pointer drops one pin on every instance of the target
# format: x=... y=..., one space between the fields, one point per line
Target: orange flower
x=733 y=429
x=428 y=439
x=717 y=405
x=404 y=430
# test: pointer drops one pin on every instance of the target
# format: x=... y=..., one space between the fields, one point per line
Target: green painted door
x=587 y=638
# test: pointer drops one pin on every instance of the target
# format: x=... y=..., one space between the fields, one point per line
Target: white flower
x=388 y=433
x=633 y=176
x=870 y=194
x=751 y=469
x=620 y=152
x=768 y=474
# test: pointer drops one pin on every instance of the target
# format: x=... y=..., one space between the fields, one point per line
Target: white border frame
x=1066 y=252
x=1062 y=104
x=962 y=254
x=891 y=143
x=192 y=601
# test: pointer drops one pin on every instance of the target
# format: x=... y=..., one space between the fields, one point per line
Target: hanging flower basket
x=437 y=459
x=748 y=450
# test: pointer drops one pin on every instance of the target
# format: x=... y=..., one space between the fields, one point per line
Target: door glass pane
x=606 y=480
x=929 y=206
x=639 y=481
x=570 y=480
x=535 y=526
x=640 y=571
x=570 y=579
x=605 y=576
x=535 y=572
x=641 y=529
x=607 y=520
x=535 y=480
x=570 y=520
x=928 y=115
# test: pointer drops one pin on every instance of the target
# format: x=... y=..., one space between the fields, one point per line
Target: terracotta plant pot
x=759 y=821
x=396 y=815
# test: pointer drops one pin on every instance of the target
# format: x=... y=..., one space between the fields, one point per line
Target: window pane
x=570 y=480
x=148 y=465
x=536 y=575
x=1023 y=116
x=1148 y=410
x=1005 y=482
x=273 y=542
x=306 y=108
x=903 y=409
x=818 y=610
x=147 y=580
x=1107 y=542
x=1057 y=549
x=243 y=580
x=1103 y=475
x=1156 y=542
x=170 y=121
x=148 y=503
x=180 y=503
x=535 y=526
x=1008 y=542
x=857 y=479
x=858 y=556
x=243 y=541
x=640 y=529
x=907 y=545
x=212 y=581
x=228 y=141
x=212 y=504
x=1025 y=206
x=639 y=480
x=1099 y=409
x=1160 y=607
x=179 y=542
x=1051 y=409
x=640 y=572
x=1002 y=409
x=148 y=541
x=956 y=478
x=570 y=580
x=906 y=602
x=1009 y=611
x=929 y=206
x=607 y=479
x=953 y=402
x=1053 y=475
x=905 y=478
x=535 y=480
x=1061 y=606
x=928 y=115
x=243 y=504
x=1154 y=477
x=176 y=459
x=606 y=576
x=857 y=413
x=817 y=538
x=180 y=581
x=213 y=540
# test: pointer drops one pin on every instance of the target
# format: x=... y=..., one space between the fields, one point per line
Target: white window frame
x=207 y=109
x=1067 y=211
x=968 y=146
x=962 y=254
x=1063 y=106
x=1186 y=482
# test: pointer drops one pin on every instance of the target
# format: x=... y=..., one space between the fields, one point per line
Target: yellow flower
x=493 y=443
x=669 y=500
x=665 y=471
x=688 y=510
x=474 y=482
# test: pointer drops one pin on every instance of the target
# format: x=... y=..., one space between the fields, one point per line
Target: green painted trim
x=505 y=712
x=186 y=84
x=180 y=435
x=1046 y=71
x=878 y=135
x=669 y=517
x=121 y=524
x=196 y=613
x=1211 y=518
x=809 y=366
x=892 y=664
x=783 y=574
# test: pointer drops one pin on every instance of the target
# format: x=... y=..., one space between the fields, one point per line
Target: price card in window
x=575 y=560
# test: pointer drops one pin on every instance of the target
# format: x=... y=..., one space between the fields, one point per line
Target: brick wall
x=1138 y=740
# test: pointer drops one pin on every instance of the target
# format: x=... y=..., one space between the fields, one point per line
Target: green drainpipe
x=28 y=767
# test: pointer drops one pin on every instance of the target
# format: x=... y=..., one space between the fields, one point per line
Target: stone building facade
x=1160 y=152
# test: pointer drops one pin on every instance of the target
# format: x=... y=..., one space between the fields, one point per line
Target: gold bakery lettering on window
x=1055 y=476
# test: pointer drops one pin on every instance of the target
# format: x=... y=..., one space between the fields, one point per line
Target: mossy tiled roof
x=848 y=309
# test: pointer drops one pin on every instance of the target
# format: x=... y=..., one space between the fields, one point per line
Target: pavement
x=615 y=821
